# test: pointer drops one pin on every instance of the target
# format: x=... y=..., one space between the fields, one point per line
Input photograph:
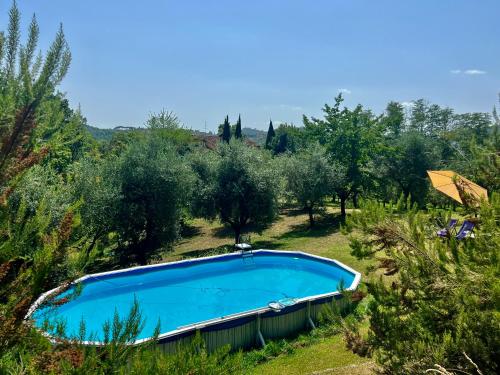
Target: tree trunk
x=355 y=200
x=311 y=216
x=342 y=206
x=141 y=257
x=237 y=232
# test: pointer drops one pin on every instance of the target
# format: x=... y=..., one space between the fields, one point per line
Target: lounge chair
x=445 y=232
x=465 y=230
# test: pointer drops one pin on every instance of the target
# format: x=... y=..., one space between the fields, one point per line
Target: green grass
x=328 y=355
x=291 y=231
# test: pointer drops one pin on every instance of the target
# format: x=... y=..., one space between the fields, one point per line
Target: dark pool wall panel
x=242 y=333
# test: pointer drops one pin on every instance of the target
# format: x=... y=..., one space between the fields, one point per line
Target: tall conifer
x=237 y=131
x=226 y=130
x=270 y=134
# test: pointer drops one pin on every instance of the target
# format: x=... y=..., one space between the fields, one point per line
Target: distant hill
x=256 y=135
x=100 y=134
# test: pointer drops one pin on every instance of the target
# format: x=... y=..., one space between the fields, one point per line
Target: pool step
x=247 y=257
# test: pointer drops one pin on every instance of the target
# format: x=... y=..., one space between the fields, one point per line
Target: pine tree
x=270 y=134
x=237 y=131
x=26 y=81
x=226 y=130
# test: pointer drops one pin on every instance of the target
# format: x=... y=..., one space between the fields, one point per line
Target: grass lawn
x=290 y=232
x=328 y=356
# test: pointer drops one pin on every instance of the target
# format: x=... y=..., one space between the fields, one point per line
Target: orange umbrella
x=456 y=186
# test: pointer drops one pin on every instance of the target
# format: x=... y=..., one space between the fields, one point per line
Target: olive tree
x=204 y=164
x=139 y=196
x=310 y=178
x=245 y=192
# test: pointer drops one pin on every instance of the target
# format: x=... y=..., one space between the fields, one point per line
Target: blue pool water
x=191 y=292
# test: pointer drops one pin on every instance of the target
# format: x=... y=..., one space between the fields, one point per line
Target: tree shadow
x=223 y=231
x=292 y=212
x=325 y=225
x=266 y=244
x=190 y=231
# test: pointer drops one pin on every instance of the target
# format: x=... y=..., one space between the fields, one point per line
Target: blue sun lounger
x=446 y=231
x=465 y=230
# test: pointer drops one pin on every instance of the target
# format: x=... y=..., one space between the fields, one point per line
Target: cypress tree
x=237 y=131
x=226 y=130
x=270 y=134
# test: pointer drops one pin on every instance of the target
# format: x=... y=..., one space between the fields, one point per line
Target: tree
x=414 y=154
x=226 y=130
x=245 y=191
x=25 y=82
x=204 y=165
x=237 y=130
x=394 y=119
x=310 y=179
x=270 y=135
x=441 y=301
x=166 y=124
x=140 y=195
x=288 y=138
x=163 y=120
x=352 y=138
x=418 y=117
x=97 y=184
x=155 y=186
x=62 y=131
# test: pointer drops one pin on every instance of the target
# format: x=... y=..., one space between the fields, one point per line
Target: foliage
x=310 y=178
x=287 y=138
x=205 y=167
x=245 y=192
x=413 y=153
x=270 y=135
x=167 y=125
x=226 y=130
x=443 y=298
x=140 y=195
x=25 y=82
x=237 y=130
x=191 y=359
x=352 y=138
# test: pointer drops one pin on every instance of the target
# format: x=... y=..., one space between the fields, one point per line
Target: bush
x=442 y=300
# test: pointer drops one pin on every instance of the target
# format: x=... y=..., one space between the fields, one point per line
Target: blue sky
x=270 y=59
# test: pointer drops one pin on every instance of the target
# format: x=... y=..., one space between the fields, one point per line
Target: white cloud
x=471 y=72
x=407 y=104
x=474 y=71
x=345 y=91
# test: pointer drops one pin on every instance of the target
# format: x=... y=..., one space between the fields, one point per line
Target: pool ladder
x=247 y=256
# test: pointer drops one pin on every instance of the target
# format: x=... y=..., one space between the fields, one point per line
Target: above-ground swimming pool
x=214 y=294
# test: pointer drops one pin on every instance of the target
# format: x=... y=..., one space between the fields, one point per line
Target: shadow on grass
x=292 y=212
x=325 y=225
x=190 y=231
x=223 y=232
x=266 y=244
